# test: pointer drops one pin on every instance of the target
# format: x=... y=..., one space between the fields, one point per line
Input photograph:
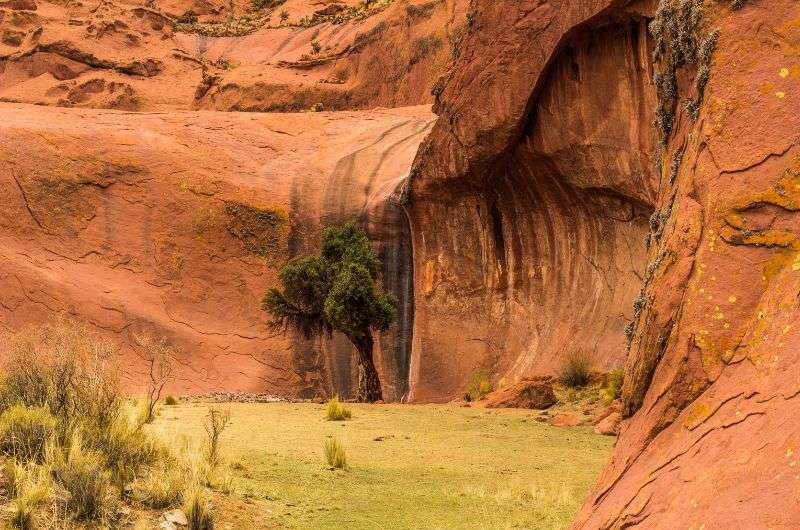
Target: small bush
x=82 y=474
x=170 y=401
x=335 y=454
x=336 y=411
x=479 y=386
x=197 y=509
x=189 y=17
x=216 y=423
x=613 y=385
x=24 y=432
x=64 y=367
x=161 y=487
x=31 y=488
x=316 y=47
x=576 y=370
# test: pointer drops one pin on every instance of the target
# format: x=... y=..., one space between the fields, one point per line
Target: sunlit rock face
x=523 y=250
x=176 y=223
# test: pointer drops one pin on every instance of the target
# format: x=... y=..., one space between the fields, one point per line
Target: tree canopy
x=333 y=291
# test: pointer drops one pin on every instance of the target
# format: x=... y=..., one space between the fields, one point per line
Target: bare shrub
x=159 y=357
x=216 y=423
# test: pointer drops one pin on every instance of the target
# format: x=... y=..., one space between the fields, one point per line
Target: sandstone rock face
x=609 y=425
x=711 y=382
x=533 y=187
x=529 y=210
x=176 y=224
x=527 y=394
x=210 y=54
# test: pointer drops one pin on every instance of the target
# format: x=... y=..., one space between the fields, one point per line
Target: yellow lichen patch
x=784 y=73
x=780 y=95
x=697 y=414
x=781 y=259
x=732 y=299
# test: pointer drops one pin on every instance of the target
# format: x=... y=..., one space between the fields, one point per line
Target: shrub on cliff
x=336 y=291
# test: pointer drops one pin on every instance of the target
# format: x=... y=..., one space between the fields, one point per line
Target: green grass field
x=410 y=466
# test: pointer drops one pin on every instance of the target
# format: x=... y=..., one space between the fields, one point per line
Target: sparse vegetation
x=170 y=401
x=336 y=291
x=70 y=448
x=614 y=381
x=216 y=423
x=479 y=386
x=267 y=4
x=159 y=357
x=576 y=370
x=198 y=512
x=336 y=411
x=444 y=465
x=262 y=231
x=189 y=17
x=335 y=454
x=316 y=47
x=231 y=27
x=681 y=39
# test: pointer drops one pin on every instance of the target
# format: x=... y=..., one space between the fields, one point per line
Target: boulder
x=609 y=425
x=565 y=419
x=176 y=517
x=535 y=393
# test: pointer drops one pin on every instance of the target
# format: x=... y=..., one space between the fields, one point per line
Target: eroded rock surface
x=176 y=223
x=530 y=199
x=238 y=55
x=534 y=180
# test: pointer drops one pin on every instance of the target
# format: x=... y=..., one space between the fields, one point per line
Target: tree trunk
x=369 y=386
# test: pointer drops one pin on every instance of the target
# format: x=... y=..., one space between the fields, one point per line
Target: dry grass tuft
x=336 y=411
x=335 y=454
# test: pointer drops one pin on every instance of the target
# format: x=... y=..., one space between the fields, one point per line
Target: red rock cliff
x=562 y=127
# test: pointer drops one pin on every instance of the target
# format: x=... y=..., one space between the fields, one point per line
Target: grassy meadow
x=408 y=466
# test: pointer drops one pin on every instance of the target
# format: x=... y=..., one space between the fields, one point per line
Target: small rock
x=534 y=393
x=565 y=419
x=176 y=517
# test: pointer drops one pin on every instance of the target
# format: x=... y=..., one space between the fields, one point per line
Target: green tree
x=336 y=291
